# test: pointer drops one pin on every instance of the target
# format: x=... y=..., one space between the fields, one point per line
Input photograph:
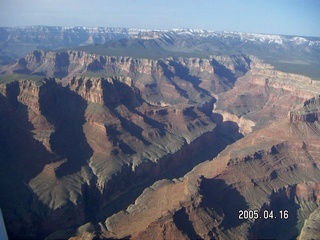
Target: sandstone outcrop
x=311 y=228
x=196 y=74
x=310 y=112
x=264 y=95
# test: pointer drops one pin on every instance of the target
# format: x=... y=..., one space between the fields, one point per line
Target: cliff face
x=271 y=169
x=310 y=112
x=311 y=226
x=264 y=95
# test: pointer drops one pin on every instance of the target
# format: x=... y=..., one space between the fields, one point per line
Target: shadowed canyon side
x=92 y=141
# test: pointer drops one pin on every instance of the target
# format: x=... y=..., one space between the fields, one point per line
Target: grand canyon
x=111 y=133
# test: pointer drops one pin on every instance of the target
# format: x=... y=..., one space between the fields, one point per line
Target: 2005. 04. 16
x=265 y=214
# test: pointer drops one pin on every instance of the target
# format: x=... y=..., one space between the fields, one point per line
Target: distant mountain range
x=287 y=53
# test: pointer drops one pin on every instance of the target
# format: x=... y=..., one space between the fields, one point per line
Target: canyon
x=111 y=147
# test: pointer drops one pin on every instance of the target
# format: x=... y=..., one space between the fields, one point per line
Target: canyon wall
x=264 y=95
x=308 y=113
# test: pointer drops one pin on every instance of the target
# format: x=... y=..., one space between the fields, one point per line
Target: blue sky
x=291 y=17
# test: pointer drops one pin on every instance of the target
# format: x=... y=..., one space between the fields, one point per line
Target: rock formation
x=308 y=113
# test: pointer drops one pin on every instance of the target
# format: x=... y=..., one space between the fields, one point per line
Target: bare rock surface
x=311 y=226
x=264 y=95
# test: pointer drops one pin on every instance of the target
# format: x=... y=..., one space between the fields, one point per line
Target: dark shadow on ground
x=184 y=73
x=223 y=200
x=224 y=72
x=278 y=225
x=22 y=158
x=66 y=111
x=28 y=156
x=183 y=223
x=170 y=75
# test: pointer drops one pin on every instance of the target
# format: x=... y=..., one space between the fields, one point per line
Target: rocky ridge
x=308 y=113
x=47 y=37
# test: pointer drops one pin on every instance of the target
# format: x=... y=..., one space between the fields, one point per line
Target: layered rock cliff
x=264 y=95
x=310 y=112
x=289 y=53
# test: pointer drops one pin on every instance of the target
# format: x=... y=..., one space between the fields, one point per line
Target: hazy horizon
x=286 y=17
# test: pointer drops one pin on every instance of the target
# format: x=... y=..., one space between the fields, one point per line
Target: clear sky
x=291 y=17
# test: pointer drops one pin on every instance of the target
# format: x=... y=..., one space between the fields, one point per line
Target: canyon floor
x=94 y=146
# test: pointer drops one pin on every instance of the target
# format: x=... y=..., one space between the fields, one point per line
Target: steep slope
x=193 y=79
x=264 y=95
x=311 y=228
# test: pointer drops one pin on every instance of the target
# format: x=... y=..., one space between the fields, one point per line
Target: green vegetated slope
x=6 y=78
x=140 y=48
x=287 y=58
